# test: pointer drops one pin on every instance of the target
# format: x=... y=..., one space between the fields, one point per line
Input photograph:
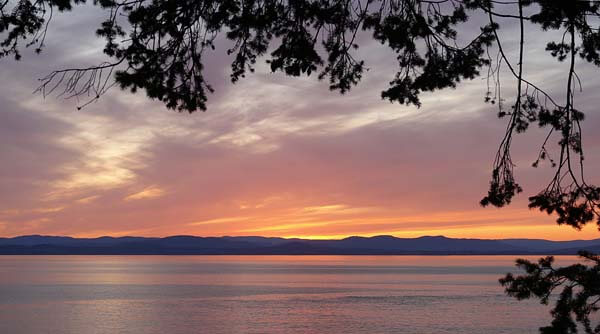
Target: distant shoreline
x=252 y=245
x=298 y=255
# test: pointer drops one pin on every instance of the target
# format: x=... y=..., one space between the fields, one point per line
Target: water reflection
x=261 y=294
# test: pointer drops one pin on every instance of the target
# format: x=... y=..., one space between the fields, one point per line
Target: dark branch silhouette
x=576 y=303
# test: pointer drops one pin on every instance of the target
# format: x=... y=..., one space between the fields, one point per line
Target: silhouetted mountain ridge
x=256 y=245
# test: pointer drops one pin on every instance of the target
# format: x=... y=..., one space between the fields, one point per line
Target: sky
x=272 y=155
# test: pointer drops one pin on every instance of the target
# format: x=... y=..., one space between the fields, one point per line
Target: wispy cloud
x=88 y=199
x=48 y=210
x=150 y=192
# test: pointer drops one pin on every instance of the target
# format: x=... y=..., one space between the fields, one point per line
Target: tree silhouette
x=579 y=298
x=158 y=46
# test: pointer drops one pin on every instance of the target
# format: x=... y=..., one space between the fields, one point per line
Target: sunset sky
x=272 y=155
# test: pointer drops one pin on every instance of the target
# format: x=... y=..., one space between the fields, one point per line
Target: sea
x=263 y=294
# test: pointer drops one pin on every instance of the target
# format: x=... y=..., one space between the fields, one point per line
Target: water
x=262 y=294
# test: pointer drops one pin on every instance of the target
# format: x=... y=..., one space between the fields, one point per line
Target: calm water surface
x=262 y=294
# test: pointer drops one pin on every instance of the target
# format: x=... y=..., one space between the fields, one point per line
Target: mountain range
x=252 y=245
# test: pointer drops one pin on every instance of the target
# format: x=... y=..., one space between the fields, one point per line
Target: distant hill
x=253 y=245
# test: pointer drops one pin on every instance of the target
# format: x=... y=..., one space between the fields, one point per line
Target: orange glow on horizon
x=342 y=221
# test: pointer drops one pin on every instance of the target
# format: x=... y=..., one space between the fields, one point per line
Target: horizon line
x=283 y=237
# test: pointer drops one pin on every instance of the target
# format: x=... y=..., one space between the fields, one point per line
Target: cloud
x=87 y=199
x=150 y=192
x=49 y=210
